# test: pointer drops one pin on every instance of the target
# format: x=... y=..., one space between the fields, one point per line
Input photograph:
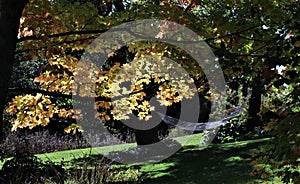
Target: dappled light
x=149 y=91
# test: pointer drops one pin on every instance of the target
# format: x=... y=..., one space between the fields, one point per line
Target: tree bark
x=151 y=136
x=254 y=107
x=145 y=137
x=10 y=13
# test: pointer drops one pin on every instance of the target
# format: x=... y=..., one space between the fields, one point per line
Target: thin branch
x=232 y=34
x=70 y=33
x=251 y=39
x=55 y=94
x=189 y=7
x=35 y=91
x=57 y=43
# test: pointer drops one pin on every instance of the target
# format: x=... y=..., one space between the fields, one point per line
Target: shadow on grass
x=135 y=155
x=217 y=164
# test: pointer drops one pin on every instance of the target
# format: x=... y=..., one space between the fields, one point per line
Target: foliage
x=39 y=142
x=281 y=156
x=169 y=89
x=97 y=173
x=29 y=169
x=236 y=130
x=60 y=42
x=26 y=106
x=249 y=38
x=100 y=171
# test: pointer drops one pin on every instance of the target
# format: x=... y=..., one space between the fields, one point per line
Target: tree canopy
x=251 y=40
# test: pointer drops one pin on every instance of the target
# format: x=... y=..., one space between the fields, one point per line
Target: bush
x=281 y=157
x=38 y=143
x=29 y=169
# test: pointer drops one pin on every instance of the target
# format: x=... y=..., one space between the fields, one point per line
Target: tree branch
x=54 y=94
x=70 y=33
x=231 y=34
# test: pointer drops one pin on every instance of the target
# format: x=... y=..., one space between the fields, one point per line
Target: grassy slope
x=219 y=163
x=69 y=155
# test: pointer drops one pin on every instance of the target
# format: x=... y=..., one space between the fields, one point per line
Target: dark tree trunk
x=234 y=85
x=254 y=107
x=144 y=137
x=205 y=108
x=151 y=136
x=10 y=13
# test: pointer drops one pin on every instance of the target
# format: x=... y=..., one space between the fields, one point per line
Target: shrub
x=281 y=157
x=29 y=169
x=39 y=142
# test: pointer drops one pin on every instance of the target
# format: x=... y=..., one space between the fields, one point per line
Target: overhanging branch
x=70 y=33
x=54 y=94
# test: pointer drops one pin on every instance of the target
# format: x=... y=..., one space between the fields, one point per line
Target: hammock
x=174 y=122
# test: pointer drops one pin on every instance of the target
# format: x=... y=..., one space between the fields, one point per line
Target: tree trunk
x=144 y=137
x=151 y=136
x=254 y=107
x=10 y=13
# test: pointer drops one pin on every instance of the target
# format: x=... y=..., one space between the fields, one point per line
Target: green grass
x=218 y=163
x=70 y=155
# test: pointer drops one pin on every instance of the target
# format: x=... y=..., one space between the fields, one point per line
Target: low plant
x=29 y=169
x=280 y=158
x=94 y=169
x=39 y=142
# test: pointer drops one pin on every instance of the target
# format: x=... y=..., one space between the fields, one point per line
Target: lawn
x=217 y=163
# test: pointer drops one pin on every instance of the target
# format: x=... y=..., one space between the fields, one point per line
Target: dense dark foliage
x=30 y=169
